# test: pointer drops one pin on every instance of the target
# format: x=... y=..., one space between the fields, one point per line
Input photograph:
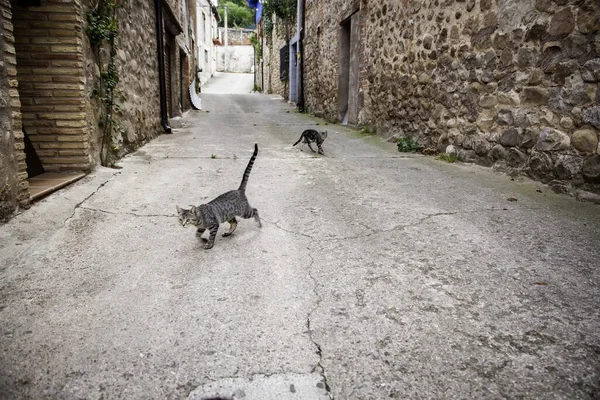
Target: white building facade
x=207 y=19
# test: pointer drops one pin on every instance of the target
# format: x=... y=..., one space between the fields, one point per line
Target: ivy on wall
x=285 y=13
x=102 y=30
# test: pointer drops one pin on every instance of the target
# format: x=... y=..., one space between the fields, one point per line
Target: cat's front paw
x=226 y=234
x=208 y=246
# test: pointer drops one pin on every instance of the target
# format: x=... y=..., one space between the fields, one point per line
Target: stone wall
x=137 y=65
x=13 y=174
x=49 y=47
x=322 y=53
x=507 y=83
x=271 y=55
x=235 y=36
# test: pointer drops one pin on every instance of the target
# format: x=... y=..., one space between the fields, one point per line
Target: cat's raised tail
x=248 y=169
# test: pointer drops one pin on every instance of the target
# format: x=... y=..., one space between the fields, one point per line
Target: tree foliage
x=239 y=15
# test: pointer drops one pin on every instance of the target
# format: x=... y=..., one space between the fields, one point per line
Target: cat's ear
x=194 y=210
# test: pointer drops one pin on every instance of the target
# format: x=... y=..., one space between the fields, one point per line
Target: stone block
x=71 y=124
x=568 y=166
x=74 y=152
x=566 y=123
x=591 y=71
x=585 y=140
x=552 y=140
x=65 y=160
x=485 y=120
x=505 y=117
x=515 y=158
x=467 y=156
x=481 y=146
x=498 y=152
x=544 y=5
x=488 y=101
x=62 y=116
x=535 y=96
x=541 y=166
x=562 y=22
x=592 y=116
x=588 y=18
x=510 y=137
x=591 y=169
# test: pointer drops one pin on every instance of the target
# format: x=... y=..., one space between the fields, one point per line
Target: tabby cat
x=224 y=208
x=311 y=135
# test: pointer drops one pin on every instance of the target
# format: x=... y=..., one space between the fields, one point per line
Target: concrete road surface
x=376 y=275
x=229 y=83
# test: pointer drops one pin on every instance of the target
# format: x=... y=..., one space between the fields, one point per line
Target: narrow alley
x=376 y=274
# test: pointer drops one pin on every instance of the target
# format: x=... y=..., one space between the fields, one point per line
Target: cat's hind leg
x=256 y=217
x=310 y=147
x=213 y=234
x=232 y=225
x=253 y=213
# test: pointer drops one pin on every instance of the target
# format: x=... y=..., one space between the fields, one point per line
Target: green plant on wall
x=102 y=31
x=284 y=11
x=257 y=47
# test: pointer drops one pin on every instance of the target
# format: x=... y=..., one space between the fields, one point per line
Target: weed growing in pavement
x=367 y=131
x=449 y=158
x=408 y=145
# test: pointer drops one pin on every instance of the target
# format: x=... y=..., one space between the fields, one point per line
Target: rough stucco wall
x=13 y=175
x=240 y=59
x=507 y=83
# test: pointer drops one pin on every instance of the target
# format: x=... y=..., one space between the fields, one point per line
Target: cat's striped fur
x=224 y=208
x=311 y=135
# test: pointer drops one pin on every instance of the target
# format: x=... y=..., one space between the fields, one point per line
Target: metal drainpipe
x=301 y=52
x=262 y=63
x=164 y=118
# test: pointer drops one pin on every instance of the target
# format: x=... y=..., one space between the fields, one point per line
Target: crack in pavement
x=89 y=196
x=276 y=223
x=400 y=226
x=128 y=213
x=309 y=330
x=319 y=352
x=420 y=221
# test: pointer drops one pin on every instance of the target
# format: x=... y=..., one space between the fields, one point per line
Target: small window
x=284 y=60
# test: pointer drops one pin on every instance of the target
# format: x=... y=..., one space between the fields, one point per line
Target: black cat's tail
x=299 y=140
x=248 y=169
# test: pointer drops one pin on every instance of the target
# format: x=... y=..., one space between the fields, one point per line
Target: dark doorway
x=293 y=72
x=349 y=81
x=34 y=165
x=182 y=83
x=168 y=78
x=344 y=80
